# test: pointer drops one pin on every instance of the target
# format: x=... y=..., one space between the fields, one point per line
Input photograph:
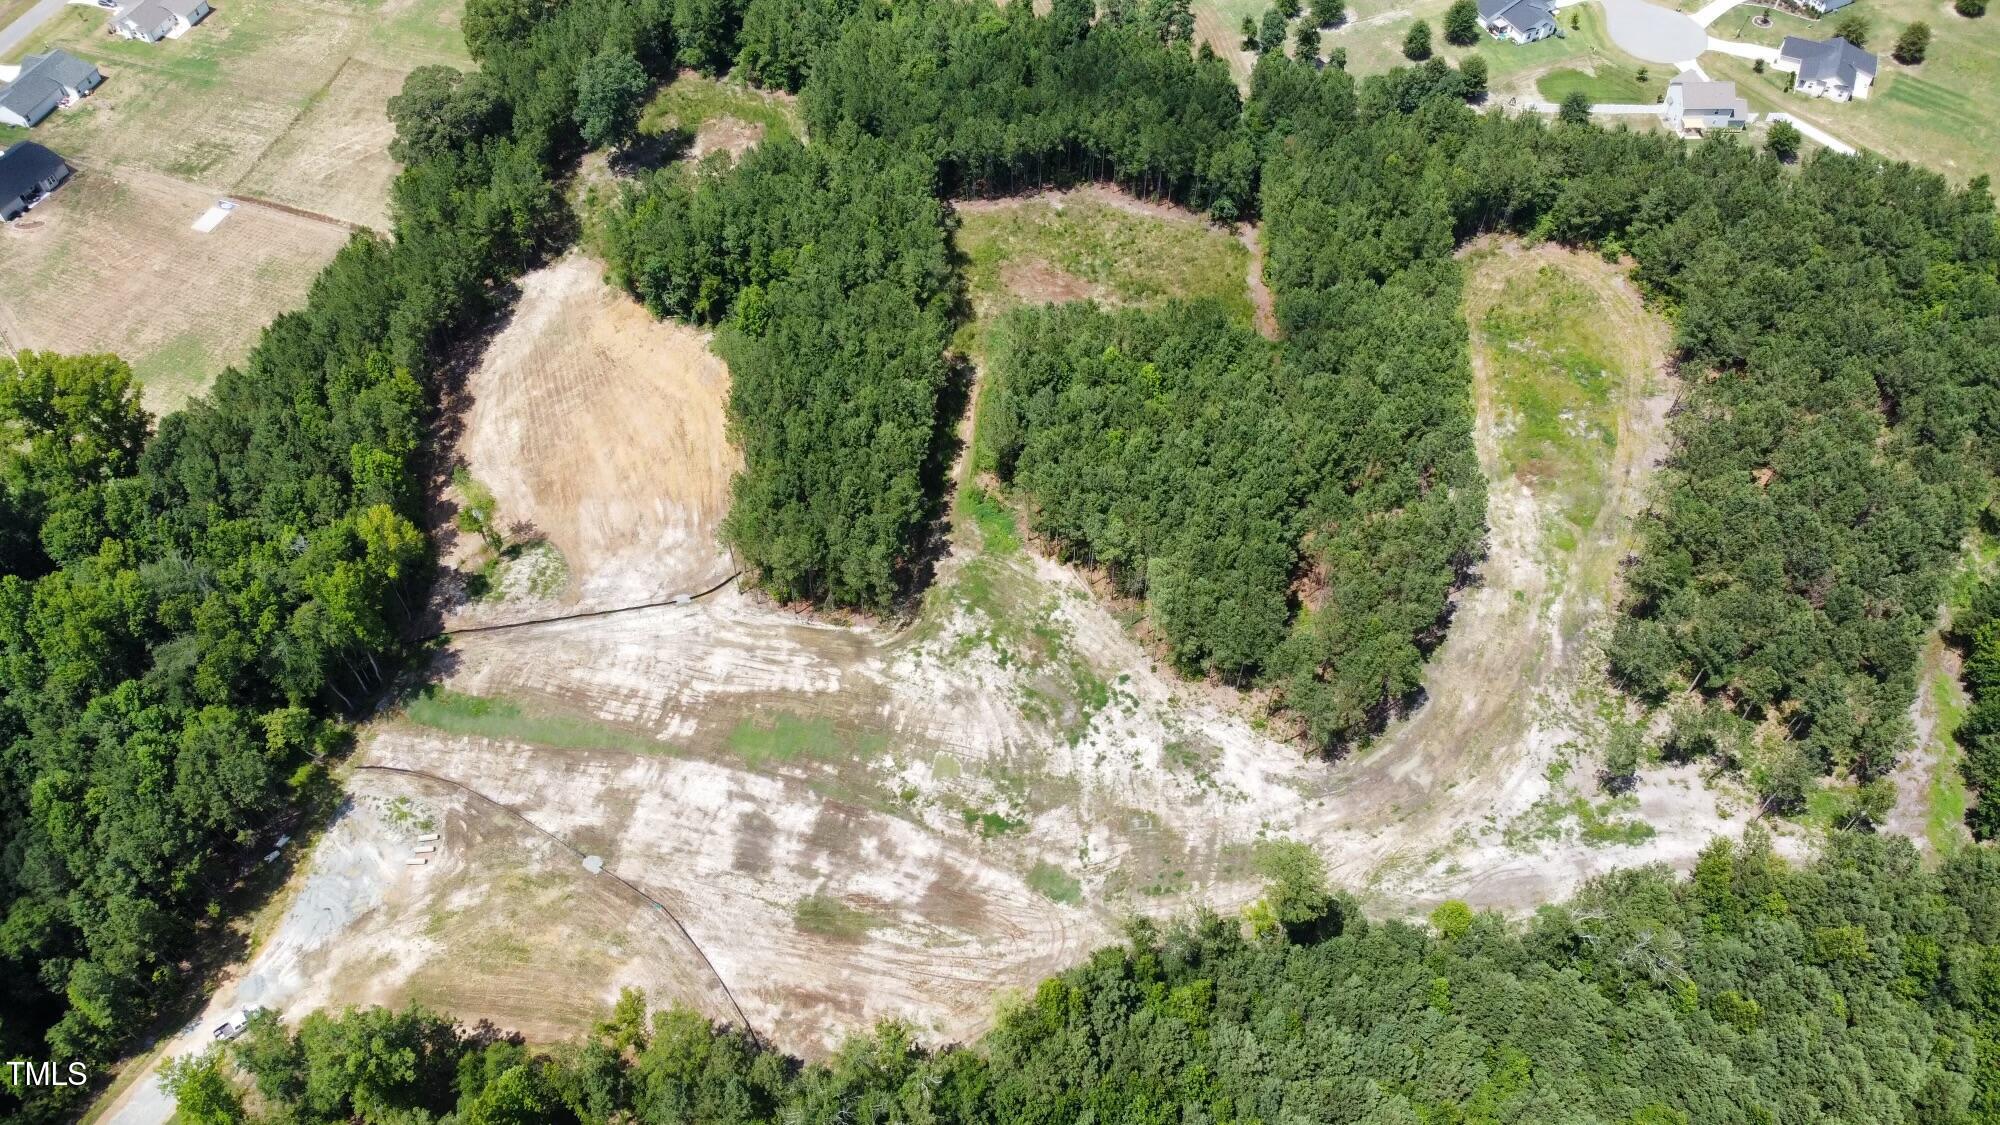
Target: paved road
x=1712 y=11
x=16 y=33
x=1650 y=32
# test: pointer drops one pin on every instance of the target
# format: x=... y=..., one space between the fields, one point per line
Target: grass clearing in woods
x=692 y=100
x=1557 y=360
x=1091 y=244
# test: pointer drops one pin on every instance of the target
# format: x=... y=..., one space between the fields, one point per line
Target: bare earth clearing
x=855 y=822
x=601 y=428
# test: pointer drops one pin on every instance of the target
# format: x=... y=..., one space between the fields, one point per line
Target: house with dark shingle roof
x=44 y=82
x=1833 y=68
x=27 y=173
x=1522 y=21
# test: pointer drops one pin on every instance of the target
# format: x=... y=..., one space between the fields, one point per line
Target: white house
x=41 y=83
x=150 y=21
x=1825 y=6
x=1522 y=21
x=1833 y=69
x=1695 y=104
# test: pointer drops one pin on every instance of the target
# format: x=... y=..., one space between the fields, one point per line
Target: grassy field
x=267 y=100
x=1092 y=244
x=1556 y=362
x=692 y=101
x=1943 y=113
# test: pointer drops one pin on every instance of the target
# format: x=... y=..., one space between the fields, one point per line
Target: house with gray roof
x=1825 y=6
x=1833 y=68
x=150 y=21
x=27 y=173
x=43 y=82
x=1696 y=104
x=1521 y=21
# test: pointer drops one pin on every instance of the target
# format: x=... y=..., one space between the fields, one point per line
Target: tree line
x=1863 y=986
x=1977 y=632
x=187 y=611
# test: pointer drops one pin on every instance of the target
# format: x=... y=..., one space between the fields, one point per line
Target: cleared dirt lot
x=601 y=428
x=279 y=100
x=857 y=822
x=110 y=263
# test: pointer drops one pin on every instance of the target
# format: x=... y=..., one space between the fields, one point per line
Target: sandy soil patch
x=725 y=134
x=499 y=924
x=1037 y=282
x=110 y=263
x=601 y=428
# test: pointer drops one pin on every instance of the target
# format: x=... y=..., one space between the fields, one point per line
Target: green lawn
x=1741 y=24
x=1609 y=83
x=1943 y=113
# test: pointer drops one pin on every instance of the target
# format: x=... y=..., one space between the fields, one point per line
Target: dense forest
x=184 y=614
x=1977 y=632
x=835 y=260
x=1863 y=987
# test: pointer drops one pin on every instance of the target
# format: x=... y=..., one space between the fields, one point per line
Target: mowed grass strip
x=504 y=720
x=784 y=738
x=1610 y=83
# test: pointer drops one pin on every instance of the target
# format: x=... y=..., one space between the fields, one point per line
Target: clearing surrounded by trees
x=910 y=822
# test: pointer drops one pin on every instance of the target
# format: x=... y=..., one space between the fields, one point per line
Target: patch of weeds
x=692 y=100
x=827 y=916
x=504 y=720
x=1555 y=818
x=404 y=814
x=1056 y=884
x=998 y=533
x=784 y=737
x=991 y=824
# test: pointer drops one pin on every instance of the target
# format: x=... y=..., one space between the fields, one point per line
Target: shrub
x=1417 y=44
x=1461 y=23
x=1473 y=70
x=1852 y=27
x=1913 y=44
x=1783 y=139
